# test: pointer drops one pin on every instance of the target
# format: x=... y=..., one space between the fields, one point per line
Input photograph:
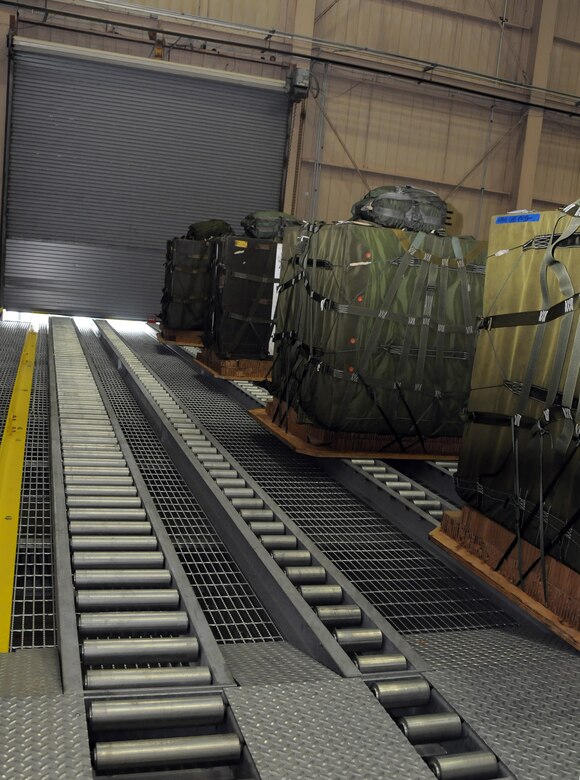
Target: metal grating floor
x=33 y=621
x=412 y=590
x=233 y=610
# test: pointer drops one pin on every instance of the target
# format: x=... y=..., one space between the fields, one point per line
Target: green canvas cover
x=519 y=456
x=376 y=328
x=268 y=224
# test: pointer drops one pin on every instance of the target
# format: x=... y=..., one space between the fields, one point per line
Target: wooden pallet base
x=320 y=443
x=191 y=338
x=479 y=542
x=220 y=368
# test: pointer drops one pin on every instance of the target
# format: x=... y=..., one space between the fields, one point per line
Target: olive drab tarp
x=519 y=457
x=375 y=328
x=268 y=224
x=186 y=287
x=402 y=207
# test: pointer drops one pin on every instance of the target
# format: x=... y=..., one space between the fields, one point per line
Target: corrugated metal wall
x=108 y=161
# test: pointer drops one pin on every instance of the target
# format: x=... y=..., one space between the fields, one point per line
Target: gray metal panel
x=266 y=664
x=519 y=689
x=121 y=159
x=32 y=672
x=44 y=737
x=332 y=730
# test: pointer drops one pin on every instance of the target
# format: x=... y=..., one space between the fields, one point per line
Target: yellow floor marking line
x=11 y=468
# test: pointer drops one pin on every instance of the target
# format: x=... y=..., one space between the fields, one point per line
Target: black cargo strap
x=412 y=318
x=427 y=310
x=184 y=269
x=244 y=318
x=567 y=291
x=371 y=393
x=517 y=498
x=187 y=299
x=327 y=304
x=252 y=277
x=468 y=318
x=525 y=318
x=441 y=328
x=566 y=528
x=534 y=511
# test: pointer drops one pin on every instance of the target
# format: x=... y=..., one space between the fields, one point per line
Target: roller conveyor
x=125 y=734
x=129 y=639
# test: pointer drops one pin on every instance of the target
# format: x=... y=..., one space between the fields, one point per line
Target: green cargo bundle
x=519 y=459
x=268 y=224
x=376 y=329
x=186 y=287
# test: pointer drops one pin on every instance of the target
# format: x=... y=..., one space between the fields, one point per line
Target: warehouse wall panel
x=463 y=33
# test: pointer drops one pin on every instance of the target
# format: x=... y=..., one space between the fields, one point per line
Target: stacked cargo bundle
x=238 y=323
x=376 y=336
x=186 y=288
x=520 y=462
x=187 y=282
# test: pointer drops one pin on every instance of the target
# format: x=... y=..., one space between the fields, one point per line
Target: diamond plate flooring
x=29 y=672
x=519 y=689
x=275 y=663
x=44 y=738
x=331 y=730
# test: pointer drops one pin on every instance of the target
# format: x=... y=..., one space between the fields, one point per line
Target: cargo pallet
x=307 y=439
x=192 y=338
x=479 y=542
x=229 y=368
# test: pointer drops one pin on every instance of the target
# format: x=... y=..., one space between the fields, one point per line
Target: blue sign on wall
x=517 y=218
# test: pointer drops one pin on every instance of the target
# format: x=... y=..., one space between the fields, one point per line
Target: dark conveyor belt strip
x=266 y=533
x=412 y=590
x=139 y=629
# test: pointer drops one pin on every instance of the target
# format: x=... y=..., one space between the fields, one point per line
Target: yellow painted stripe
x=11 y=467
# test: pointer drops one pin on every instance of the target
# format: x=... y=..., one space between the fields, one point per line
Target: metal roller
x=247 y=503
x=238 y=492
x=147 y=678
x=340 y=615
x=479 y=765
x=133 y=623
x=257 y=514
x=201 y=448
x=96 y=447
x=412 y=494
x=358 y=639
x=149 y=713
x=291 y=557
x=198 y=442
x=113 y=492
x=118 y=542
x=230 y=482
x=142 y=598
x=210 y=748
x=121 y=560
x=87 y=480
x=112 y=527
x=279 y=541
x=71 y=440
x=159 y=650
x=433 y=727
x=104 y=513
x=428 y=503
x=306 y=574
x=402 y=693
x=148 y=578
x=263 y=527
x=223 y=473
x=210 y=457
x=375 y=664
x=95 y=464
x=117 y=471
x=74 y=432
x=98 y=501
x=321 y=594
